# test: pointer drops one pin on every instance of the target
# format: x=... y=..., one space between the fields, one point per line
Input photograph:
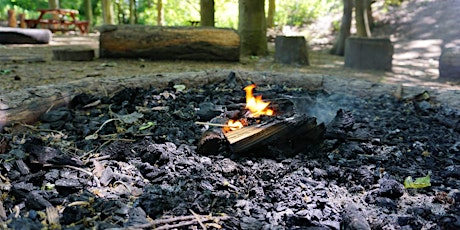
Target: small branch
x=169 y=223
x=210 y=124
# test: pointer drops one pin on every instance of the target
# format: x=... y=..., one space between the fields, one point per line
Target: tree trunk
x=271 y=13
x=252 y=27
x=132 y=11
x=159 y=12
x=53 y=4
x=107 y=12
x=169 y=43
x=89 y=13
x=345 y=25
x=207 y=12
x=362 y=24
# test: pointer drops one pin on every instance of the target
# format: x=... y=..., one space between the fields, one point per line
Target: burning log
x=288 y=135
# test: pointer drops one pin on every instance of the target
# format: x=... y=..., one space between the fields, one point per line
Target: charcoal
x=390 y=188
x=107 y=176
x=24 y=223
x=354 y=219
x=36 y=201
x=373 y=141
x=137 y=216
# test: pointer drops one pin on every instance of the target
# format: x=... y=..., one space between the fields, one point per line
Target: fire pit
x=166 y=158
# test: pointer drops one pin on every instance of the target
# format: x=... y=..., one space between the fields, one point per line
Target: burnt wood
x=169 y=43
x=287 y=135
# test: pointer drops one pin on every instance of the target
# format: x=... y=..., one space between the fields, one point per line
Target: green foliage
x=181 y=12
x=301 y=12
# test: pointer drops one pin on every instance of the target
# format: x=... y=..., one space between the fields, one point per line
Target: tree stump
x=449 y=63
x=369 y=53
x=12 y=21
x=73 y=54
x=291 y=50
x=169 y=43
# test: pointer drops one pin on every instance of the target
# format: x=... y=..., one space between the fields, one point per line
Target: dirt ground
x=418 y=30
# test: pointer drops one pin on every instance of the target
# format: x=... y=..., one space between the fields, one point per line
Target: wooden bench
x=62 y=20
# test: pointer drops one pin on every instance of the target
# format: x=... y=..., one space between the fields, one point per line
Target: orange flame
x=256 y=106
x=233 y=125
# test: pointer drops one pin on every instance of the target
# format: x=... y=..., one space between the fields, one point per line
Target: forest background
x=296 y=13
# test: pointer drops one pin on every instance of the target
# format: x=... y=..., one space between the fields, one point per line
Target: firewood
x=288 y=135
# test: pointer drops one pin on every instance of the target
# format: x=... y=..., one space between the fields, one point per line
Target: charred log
x=287 y=136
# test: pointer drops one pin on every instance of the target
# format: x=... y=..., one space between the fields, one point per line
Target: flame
x=256 y=105
x=234 y=125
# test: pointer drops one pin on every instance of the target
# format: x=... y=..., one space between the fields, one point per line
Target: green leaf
x=147 y=125
x=420 y=182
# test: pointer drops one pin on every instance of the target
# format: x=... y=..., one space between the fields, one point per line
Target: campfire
x=255 y=106
x=252 y=132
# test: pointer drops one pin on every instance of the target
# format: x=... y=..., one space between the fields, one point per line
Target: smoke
x=323 y=107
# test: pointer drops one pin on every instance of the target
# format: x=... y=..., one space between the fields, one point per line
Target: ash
x=130 y=161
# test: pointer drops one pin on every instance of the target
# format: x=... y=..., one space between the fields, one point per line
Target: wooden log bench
x=169 y=43
x=10 y=35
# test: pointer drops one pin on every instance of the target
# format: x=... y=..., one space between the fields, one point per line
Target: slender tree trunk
x=107 y=12
x=89 y=13
x=132 y=11
x=345 y=25
x=252 y=27
x=159 y=12
x=370 y=19
x=271 y=13
x=362 y=24
x=207 y=12
x=53 y=4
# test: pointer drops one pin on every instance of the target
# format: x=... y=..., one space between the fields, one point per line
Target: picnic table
x=58 y=20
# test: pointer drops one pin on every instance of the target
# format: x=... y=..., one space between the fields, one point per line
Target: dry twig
x=180 y=221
